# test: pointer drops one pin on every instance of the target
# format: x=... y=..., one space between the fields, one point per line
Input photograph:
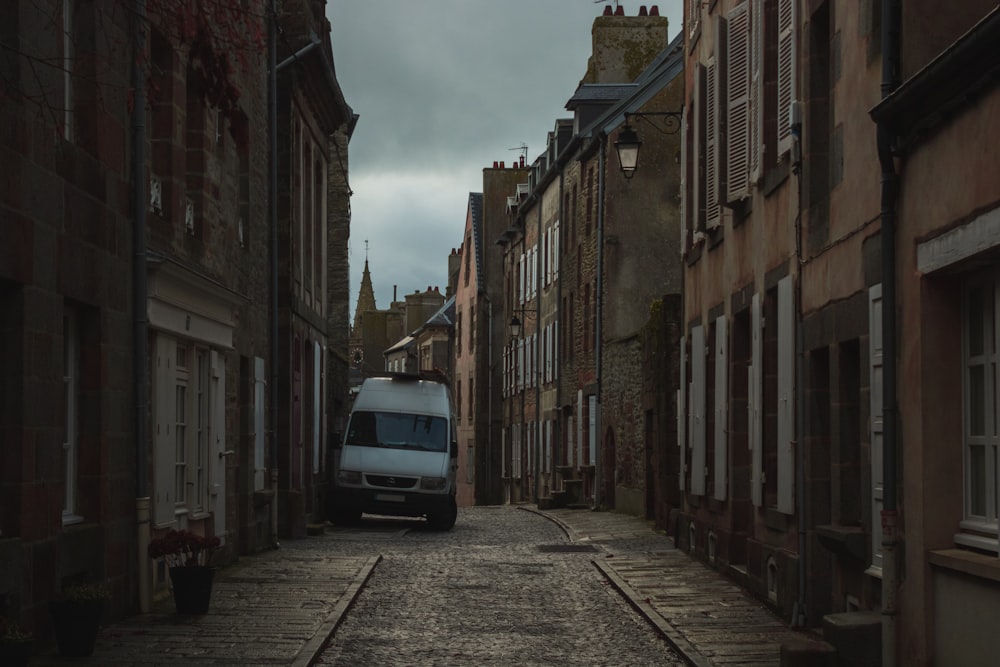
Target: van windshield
x=398 y=431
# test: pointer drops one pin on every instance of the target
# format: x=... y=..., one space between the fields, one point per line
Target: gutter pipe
x=272 y=208
x=891 y=26
x=140 y=320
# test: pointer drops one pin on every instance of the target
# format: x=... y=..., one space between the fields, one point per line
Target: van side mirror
x=454 y=449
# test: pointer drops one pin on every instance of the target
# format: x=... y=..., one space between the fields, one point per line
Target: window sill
x=71 y=519
x=968 y=562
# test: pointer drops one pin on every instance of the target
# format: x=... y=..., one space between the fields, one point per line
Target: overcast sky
x=444 y=88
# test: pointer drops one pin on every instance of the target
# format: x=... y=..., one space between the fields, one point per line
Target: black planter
x=192 y=588
x=75 y=623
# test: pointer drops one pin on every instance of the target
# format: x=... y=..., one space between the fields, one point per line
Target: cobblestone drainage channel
x=566 y=548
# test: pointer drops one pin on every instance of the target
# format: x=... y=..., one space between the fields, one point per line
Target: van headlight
x=433 y=483
x=349 y=477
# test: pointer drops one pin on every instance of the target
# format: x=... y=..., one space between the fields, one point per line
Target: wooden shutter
x=712 y=166
x=875 y=397
x=698 y=410
x=164 y=402
x=786 y=72
x=721 y=409
x=736 y=37
x=756 y=102
x=258 y=423
x=682 y=414
x=786 y=397
x=217 y=443
x=754 y=405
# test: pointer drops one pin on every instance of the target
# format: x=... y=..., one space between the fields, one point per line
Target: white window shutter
x=555 y=352
x=875 y=397
x=721 y=409
x=786 y=397
x=522 y=267
x=737 y=87
x=164 y=402
x=712 y=167
x=555 y=253
x=217 y=447
x=698 y=410
x=786 y=72
x=754 y=406
x=756 y=113
x=682 y=414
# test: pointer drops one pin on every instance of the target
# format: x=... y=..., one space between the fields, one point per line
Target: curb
x=307 y=654
x=684 y=648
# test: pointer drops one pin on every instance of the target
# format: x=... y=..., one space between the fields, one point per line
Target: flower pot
x=192 y=588
x=76 y=623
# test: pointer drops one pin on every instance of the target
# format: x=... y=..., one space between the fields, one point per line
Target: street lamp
x=628 y=143
x=515 y=327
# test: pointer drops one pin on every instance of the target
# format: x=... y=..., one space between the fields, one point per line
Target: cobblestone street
x=504 y=587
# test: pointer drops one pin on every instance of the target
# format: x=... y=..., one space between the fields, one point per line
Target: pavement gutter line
x=687 y=651
x=315 y=645
x=570 y=533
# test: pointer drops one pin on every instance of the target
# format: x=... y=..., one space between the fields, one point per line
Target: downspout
x=272 y=207
x=799 y=615
x=488 y=459
x=140 y=323
x=598 y=313
x=538 y=355
x=891 y=25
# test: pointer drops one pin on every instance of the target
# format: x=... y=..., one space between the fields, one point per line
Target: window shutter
x=521 y=278
x=738 y=86
x=721 y=409
x=503 y=454
x=754 y=396
x=786 y=397
x=317 y=404
x=217 y=447
x=712 y=167
x=786 y=72
x=555 y=351
x=698 y=410
x=164 y=400
x=682 y=414
x=258 y=423
x=698 y=147
x=555 y=253
x=756 y=104
x=875 y=391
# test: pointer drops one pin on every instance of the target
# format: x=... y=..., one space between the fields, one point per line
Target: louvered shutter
x=721 y=409
x=698 y=410
x=712 y=167
x=738 y=84
x=875 y=385
x=217 y=445
x=754 y=407
x=786 y=72
x=786 y=397
x=258 y=423
x=756 y=113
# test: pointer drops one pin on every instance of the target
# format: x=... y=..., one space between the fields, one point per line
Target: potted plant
x=16 y=645
x=76 y=617
x=188 y=557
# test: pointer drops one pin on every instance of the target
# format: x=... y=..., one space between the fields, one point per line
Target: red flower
x=183 y=548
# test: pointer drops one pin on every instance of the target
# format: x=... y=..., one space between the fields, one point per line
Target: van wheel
x=445 y=519
x=346 y=516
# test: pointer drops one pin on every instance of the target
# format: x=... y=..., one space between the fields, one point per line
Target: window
x=981 y=409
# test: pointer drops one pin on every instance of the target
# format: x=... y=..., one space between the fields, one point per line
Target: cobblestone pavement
x=504 y=587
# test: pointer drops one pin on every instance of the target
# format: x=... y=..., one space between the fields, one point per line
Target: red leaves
x=182 y=547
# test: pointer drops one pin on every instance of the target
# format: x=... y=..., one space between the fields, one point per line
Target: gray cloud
x=443 y=88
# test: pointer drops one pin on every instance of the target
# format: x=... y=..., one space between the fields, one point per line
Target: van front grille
x=392 y=482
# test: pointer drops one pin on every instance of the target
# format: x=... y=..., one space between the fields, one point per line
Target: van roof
x=404 y=394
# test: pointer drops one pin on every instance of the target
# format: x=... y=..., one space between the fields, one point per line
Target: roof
x=476 y=213
x=599 y=92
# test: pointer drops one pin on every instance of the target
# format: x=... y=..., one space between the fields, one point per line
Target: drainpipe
x=891 y=25
x=799 y=616
x=272 y=103
x=140 y=323
x=538 y=355
x=598 y=314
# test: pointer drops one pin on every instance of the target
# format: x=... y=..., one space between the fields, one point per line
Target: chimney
x=501 y=164
x=522 y=162
x=642 y=10
x=623 y=46
x=495 y=164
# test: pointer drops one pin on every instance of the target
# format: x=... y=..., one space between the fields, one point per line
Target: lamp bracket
x=671 y=120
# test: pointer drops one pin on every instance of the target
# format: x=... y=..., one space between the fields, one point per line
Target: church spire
x=366 y=295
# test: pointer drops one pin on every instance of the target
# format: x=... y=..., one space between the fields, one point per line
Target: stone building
x=316 y=124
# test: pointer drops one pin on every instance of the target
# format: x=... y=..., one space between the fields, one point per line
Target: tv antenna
x=523 y=148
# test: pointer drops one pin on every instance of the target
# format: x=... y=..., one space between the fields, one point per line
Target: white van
x=399 y=454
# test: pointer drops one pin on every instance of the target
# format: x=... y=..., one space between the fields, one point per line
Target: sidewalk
x=705 y=616
x=274 y=608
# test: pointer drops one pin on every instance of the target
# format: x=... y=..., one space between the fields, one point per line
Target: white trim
x=697 y=413
x=721 y=439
